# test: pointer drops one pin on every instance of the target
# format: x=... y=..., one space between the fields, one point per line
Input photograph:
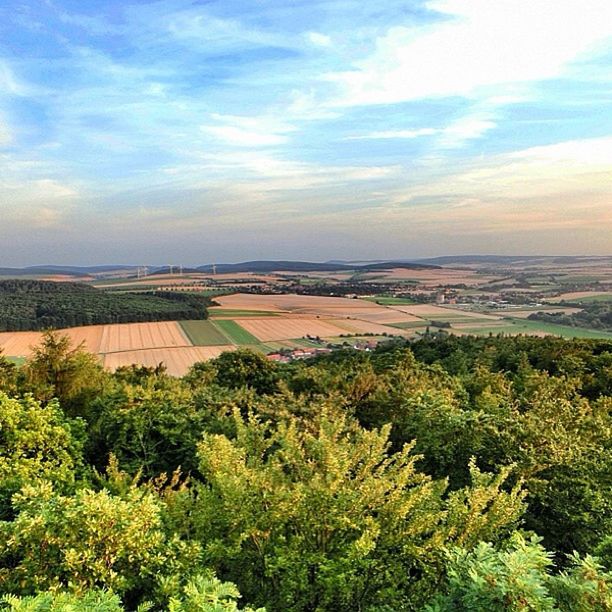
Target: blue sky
x=194 y=131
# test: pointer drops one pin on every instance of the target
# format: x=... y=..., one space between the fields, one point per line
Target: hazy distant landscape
x=297 y=309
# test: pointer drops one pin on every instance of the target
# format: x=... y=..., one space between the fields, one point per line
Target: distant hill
x=47 y=270
x=263 y=267
x=448 y=260
x=306 y=266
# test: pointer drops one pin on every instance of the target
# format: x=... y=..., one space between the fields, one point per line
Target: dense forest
x=35 y=305
x=592 y=316
x=450 y=474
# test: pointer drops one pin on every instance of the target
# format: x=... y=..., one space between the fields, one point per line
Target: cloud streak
x=379 y=129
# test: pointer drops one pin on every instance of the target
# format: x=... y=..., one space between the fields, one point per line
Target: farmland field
x=539 y=328
x=137 y=336
x=19 y=344
x=388 y=301
x=286 y=329
x=582 y=296
x=357 y=326
x=271 y=322
x=177 y=360
x=229 y=313
x=235 y=332
x=203 y=333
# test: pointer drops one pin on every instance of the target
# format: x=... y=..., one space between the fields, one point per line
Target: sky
x=196 y=131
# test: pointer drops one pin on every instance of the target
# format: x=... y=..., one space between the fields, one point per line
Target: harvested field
x=386 y=316
x=228 y=313
x=286 y=329
x=246 y=301
x=137 y=336
x=357 y=326
x=91 y=336
x=524 y=314
x=287 y=303
x=177 y=360
x=437 y=278
x=431 y=311
x=203 y=333
x=18 y=344
x=577 y=295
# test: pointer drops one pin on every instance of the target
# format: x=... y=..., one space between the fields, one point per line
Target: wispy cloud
x=478 y=44
x=393 y=134
x=249 y=131
x=330 y=118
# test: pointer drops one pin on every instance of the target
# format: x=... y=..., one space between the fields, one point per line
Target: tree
x=151 y=427
x=242 y=368
x=318 y=515
x=8 y=375
x=92 y=601
x=36 y=443
x=91 y=540
x=518 y=576
x=56 y=369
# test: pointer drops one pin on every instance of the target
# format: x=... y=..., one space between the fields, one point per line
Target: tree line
x=596 y=315
x=36 y=305
x=469 y=474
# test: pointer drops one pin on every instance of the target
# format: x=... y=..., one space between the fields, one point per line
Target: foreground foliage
x=451 y=474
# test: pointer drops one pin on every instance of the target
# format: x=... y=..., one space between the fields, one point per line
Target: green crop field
x=522 y=326
x=18 y=361
x=203 y=333
x=605 y=297
x=408 y=324
x=235 y=333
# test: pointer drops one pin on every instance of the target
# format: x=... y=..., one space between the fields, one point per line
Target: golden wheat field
x=287 y=303
x=138 y=336
x=19 y=344
x=358 y=326
x=176 y=360
x=273 y=328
